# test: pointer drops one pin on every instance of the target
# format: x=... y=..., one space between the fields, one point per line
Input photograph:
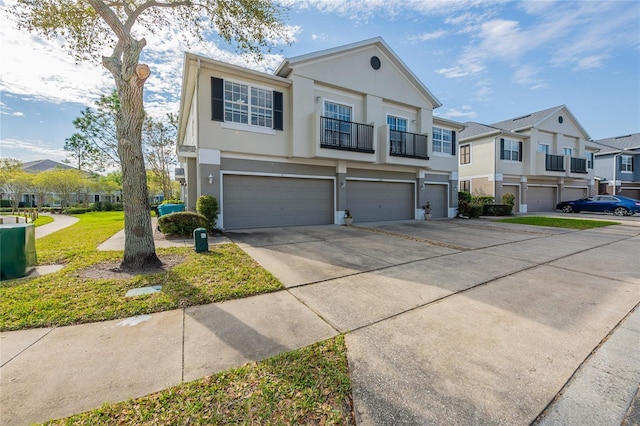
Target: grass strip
x=42 y=220
x=309 y=386
x=68 y=297
x=559 y=222
x=80 y=239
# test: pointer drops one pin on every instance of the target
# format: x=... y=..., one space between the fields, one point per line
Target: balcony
x=554 y=163
x=578 y=165
x=346 y=135
x=405 y=144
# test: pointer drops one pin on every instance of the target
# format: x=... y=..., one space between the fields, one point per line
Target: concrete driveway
x=469 y=322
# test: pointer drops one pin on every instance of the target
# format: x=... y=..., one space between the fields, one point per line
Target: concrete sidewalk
x=117 y=241
x=508 y=323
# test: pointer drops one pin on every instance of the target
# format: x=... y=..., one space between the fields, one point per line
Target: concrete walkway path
x=447 y=322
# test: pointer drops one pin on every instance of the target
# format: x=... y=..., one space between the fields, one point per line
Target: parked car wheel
x=567 y=209
x=620 y=211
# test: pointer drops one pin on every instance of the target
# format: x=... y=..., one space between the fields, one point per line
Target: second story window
x=236 y=103
x=239 y=105
x=544 y=148
x=443 y=140
x=626 y=163
x=568 y=151
x=397 y=134
x=510 y=150
x=465 y=154
x=589 y=157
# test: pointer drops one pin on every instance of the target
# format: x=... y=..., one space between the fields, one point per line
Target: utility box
x=170 y=208
x=200 y=240
x=17 y=250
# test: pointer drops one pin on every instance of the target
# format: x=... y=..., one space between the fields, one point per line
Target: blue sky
x=486 y=61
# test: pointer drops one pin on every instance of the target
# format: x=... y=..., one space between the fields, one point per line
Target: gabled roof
x=534 y=119
x=287 y=65
x=43 y=165
x=473 y=130
x=618 y=144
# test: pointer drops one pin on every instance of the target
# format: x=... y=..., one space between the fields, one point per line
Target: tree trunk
x=139 y=248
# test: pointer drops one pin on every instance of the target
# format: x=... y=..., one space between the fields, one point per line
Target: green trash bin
x=17 y=250
x=200 y=240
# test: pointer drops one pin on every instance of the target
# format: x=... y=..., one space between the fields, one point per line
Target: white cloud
x=464 y=112
x=428 y=36
x=30 y=150
x=528 y=75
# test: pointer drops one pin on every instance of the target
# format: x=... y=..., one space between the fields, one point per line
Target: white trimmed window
x=510 y=150
x=568 y=151
x=239 y=105
x=626 y=163
x=442 y=140
x=542 y=147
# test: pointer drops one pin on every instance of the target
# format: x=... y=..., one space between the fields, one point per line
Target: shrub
x=172 y=202
x=117 y=207
x=5 y=203
x=497 y=209
x=75 y=210
x=181 y=224
x=98 y=206
x=508 y=198
x=464 y=203
x=482 y=199
x=475 y=210
x=207 y=206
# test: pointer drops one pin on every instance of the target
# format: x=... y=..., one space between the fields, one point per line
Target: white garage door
x=569 y=194
x=380 y=201
x=262 y=202
x=541 y=199
x=437 y=197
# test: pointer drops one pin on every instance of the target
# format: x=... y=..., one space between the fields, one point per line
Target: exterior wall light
x=343 y=184
x=210 y=178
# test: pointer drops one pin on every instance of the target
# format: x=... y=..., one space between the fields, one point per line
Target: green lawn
x=558 y=222
x=66 y=297
x=42 y=220
x=309 y=386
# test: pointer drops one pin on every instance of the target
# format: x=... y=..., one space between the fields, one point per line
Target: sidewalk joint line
x=25 y=349
x=570 y=380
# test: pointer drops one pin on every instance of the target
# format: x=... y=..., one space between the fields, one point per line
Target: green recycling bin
x=17 y=250
x=200 y=240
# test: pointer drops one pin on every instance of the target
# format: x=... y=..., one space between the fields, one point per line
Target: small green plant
x=181 y=224
x=495 y=209
x=464 y=204
x=75 y=210
x=172 y=202
x=508 y=198
x=347 y=213
x=482 y=199
x=207 y=206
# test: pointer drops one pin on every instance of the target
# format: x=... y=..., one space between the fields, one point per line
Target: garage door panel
x=263 y=201
x=569 y=194
x=436 y=196
x=541 y=199
x=380 y=201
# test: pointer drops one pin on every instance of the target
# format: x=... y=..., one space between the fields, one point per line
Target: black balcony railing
x=554 y=163
x=346 y=135
x=578 y=165
x=405 y=144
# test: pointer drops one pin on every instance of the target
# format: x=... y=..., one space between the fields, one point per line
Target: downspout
x=197 y=113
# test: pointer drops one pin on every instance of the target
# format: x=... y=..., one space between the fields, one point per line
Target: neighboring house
x=541 y=158
x=349 y=128
x=619 y=156
x=52 y=199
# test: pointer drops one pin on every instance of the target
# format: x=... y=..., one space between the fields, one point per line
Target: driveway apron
x=462 y=322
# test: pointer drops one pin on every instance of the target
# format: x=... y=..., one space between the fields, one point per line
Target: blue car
x=616 y=204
